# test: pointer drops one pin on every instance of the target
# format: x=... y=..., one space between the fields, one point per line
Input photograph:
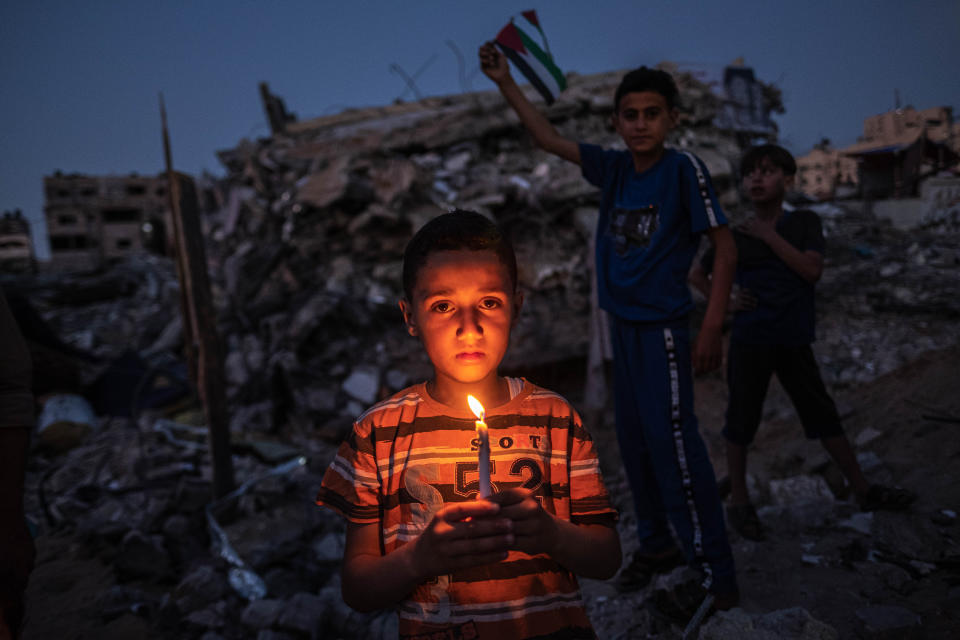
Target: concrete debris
x=886 y=622
x=799 y=489
x=784 y=624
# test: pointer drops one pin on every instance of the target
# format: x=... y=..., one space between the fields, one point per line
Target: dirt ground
x=810 y=560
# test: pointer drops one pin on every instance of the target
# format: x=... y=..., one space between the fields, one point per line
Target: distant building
x=16 y=253
x=94 y=219
x=892 y=126
x=901 y=148
x=825 y=172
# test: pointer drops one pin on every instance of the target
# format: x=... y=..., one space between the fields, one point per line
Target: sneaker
x=744 y=520
x=689 y=604
x=643 y=566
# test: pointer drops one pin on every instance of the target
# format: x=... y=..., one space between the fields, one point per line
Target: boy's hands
x=535 y=530
x=493 y=63
x=461 y=535
x=759 y=228
x=707 y=350
x=742 y=300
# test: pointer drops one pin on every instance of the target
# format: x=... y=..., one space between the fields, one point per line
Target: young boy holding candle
x=407 y=478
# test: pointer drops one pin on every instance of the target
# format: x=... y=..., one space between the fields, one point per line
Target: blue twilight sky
x=79 y=80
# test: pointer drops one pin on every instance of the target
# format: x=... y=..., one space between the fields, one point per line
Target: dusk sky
x=79 y=80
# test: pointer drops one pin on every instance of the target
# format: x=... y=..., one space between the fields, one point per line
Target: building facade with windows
x=94 y=219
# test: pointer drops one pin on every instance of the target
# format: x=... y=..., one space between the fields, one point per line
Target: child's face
x=766 y=182
x=643 y=119
x=463 y=308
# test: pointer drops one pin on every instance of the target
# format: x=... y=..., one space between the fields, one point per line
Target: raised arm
x=494 y=65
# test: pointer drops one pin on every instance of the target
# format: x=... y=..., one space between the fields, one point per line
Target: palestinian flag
x=535 y=63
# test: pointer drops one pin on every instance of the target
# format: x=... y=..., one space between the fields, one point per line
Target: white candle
x=483 y=450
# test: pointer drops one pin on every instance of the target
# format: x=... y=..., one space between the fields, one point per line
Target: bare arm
x=592 y=551
x=372 y=581
x=494 y=65
x=807 y=264
x=707 y=350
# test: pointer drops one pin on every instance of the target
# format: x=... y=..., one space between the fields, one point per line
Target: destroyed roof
x=867 y=147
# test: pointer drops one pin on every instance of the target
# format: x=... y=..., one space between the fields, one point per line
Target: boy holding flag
x=655 y=204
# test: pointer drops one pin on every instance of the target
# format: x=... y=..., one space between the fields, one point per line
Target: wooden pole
x=201 y=317
x=173 y=194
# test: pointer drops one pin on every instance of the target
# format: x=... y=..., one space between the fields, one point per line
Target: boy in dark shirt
x=780 y=259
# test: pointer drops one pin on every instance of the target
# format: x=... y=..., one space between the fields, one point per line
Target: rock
x=303 y=613
x=329 y=548
x=865 y=437
x=363 y=383
x=891 y=269
x=784 y=624
x=869 y=461
x=457 y=162
x=397 y=379
x=861 y=522
x=902 y=535
x=203 y=586
x=799 y=489
x=119 y=600
x=889 y=575
x=176 y=526
x=889 y=622
x=321 y=399
x=142 y=556
x=327 y=186
x=944 y=517
x=341 y=617
x=236 y=369
x=210 y=618
x=262 y=614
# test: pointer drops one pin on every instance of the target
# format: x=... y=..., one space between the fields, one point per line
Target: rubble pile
x=306 y=253
x=886 y=296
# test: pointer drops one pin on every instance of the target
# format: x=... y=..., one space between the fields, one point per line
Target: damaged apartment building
x=898 y=151
x=92 y=220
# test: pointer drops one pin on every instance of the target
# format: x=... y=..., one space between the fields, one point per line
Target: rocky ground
x=133 y=562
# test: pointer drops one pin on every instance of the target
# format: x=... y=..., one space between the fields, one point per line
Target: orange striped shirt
x=409 y=455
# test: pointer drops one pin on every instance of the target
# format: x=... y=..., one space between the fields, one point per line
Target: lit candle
x=483 y=452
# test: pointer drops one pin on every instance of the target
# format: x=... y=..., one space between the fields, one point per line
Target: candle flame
x=476 y=407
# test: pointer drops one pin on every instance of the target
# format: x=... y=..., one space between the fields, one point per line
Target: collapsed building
x=317 y=215
x=898 y=151
x=92 y=220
